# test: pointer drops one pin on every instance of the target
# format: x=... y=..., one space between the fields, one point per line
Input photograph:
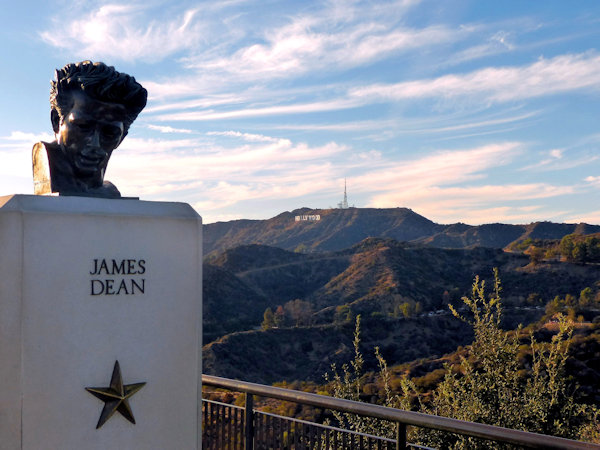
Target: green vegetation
x=294 y=313
x=348 y=385
x=581 y=249
x=268 y=319
x=575 y=248
x=492 y=385
x=575 y=308
x=494 y=382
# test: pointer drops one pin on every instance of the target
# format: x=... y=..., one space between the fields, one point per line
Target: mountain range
x=338 y=229
x=318 y=269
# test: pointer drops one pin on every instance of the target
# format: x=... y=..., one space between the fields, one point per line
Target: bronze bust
x=92 y=107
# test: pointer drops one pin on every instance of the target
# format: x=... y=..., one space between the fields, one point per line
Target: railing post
x=400 y=436
x=249 y=422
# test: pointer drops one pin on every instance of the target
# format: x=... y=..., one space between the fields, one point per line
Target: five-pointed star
x=115 y=397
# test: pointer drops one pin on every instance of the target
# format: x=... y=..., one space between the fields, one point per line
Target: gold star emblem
x=115 y=397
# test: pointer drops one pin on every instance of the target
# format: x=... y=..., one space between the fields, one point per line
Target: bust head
x=92 y=107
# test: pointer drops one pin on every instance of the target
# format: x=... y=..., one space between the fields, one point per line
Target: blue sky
x=471 y=111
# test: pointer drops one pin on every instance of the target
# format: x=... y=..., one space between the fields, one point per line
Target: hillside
x=338 y=229
x=306 y=353
x=382 y=279
x=228 y=303
x=379 y=275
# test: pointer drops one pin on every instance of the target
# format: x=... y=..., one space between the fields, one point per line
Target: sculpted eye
x=83 y=126
x=111 y=132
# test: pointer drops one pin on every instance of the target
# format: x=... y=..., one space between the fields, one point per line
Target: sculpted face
x=89 y=133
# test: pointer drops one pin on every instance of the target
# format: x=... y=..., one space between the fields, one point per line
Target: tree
x=580 y=252
x=299 y=311
x=534 y=299
x=593 y=248
x=446 y=298
x=343 y=313
x=268 y=319
x=585 y=297
x=536 y=254
x=279 y=316
x=406 y=309
x=566 y=247
x=418 y=308
x=487 y=386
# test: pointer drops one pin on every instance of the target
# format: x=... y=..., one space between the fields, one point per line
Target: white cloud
x=500 y=214
x=545 y=77
x=476 y=124
x=15 y=153
x=298 y=49
x=23 y=137
x=429 y=185
x=246 y=136
x=441 y=168
x=556 y=153
x=157 y=167
x=338 y=35
x=123 y=32
x=594 y=181
x=298 y=108
x=166 y=129
x=556 y=162
x=471 y=197
x=590 y=217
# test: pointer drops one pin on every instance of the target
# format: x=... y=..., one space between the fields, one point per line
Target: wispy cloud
x=450 y=186
x=246 y=136
x=500 y=214
x=468 y=197
x=441 y=168
x=157 y=168
x=554 y=161
x=339 y=35
x=591 y=217
x=594 y=181
x=26 y=138
x=298 y=108
x=545 y=77
x=167 y=129
x=123 y=32
x=491 y=85
x=299 y=48
x=477 y=123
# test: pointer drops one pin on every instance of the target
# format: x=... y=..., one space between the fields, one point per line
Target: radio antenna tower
x=344 y=204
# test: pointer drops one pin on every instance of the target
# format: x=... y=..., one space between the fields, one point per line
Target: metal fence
x=230 y=427
x=224 y=428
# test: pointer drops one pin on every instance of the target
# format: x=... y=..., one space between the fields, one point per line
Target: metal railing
x=232 y=427
x=224 y=428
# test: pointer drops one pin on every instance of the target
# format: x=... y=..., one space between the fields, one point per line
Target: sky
x=464 y=111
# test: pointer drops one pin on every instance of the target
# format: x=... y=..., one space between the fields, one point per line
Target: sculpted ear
x=55 y=119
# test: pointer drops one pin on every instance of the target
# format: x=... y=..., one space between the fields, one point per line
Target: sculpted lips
x=91 y=160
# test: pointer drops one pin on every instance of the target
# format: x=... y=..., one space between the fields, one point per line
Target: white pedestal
x=64 y=323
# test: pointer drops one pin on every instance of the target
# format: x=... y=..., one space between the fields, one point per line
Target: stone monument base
x=85 y=283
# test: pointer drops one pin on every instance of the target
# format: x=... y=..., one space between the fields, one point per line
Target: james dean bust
x=92 y=107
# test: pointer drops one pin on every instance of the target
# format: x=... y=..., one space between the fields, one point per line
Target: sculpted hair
x=100 y=82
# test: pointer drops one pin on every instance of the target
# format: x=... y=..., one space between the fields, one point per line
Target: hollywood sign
x=308 y=218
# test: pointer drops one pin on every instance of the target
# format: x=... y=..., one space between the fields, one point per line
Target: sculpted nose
x=95 y=139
